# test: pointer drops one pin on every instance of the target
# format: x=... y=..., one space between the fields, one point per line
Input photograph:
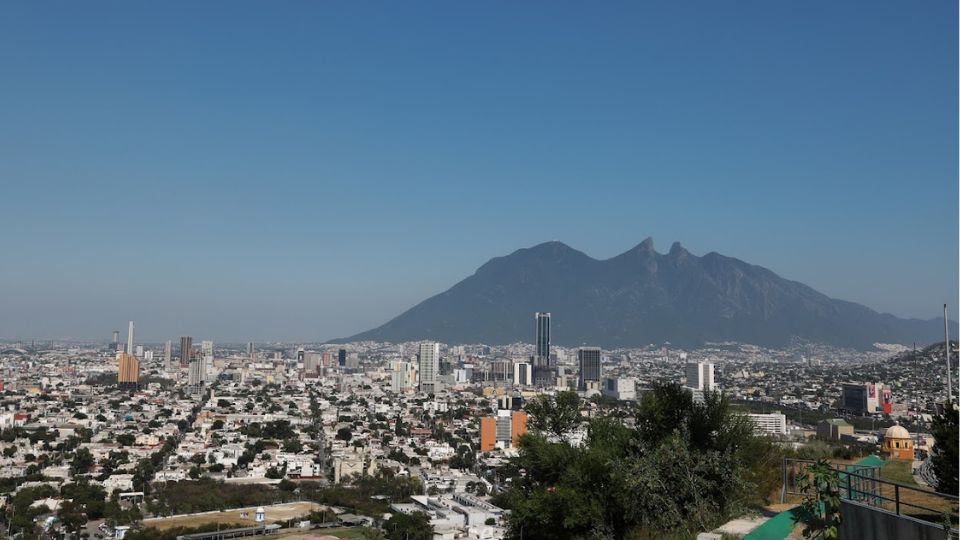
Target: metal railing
x=864 y=485
x=897 y=499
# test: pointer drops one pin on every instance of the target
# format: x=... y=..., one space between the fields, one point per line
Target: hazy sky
x=306 y=170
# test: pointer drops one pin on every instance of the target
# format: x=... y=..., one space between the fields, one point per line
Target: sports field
x=274 y=513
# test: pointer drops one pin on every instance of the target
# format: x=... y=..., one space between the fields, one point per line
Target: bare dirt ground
x=274 y=513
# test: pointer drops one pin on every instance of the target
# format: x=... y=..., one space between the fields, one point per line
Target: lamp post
x=946 y=346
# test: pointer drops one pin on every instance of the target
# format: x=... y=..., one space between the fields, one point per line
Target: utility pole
x=946 y=346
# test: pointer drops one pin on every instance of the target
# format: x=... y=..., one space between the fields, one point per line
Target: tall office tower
x=542 y=373
x=326 y=359
x=522 y=374
x=500 y=370
x=167 y=352
x=195 y=378
x=700 y=376
x=206 y=348
x=128 y=370
x=429 y=366
x=186 y=350
x=130 y=338
x=588 y=358
x=353 y=361
x=250 y=350
x=116 y=340
x=342 y=357
x=311 y=361
x=543 y=335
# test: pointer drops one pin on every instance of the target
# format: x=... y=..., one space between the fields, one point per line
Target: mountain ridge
x=641 y=297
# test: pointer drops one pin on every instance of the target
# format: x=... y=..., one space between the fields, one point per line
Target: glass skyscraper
x=542 y=373
x=543 y=336
x=589 y=360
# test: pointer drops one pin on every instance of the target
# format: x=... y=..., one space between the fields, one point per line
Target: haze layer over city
x=443 y=271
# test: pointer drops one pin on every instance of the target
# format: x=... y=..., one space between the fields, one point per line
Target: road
x=924 y=474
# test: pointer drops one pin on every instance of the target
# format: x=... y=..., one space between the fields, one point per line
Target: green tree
x=686 y=466
x=557 y=415
x=125 y=439
x=820 y=487
x=945 y=449
x=72 y=517
x=370 y=533
x=293 y=446
x=415 y=526
x=81 y=462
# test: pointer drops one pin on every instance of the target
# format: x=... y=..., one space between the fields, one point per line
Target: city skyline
x=499 y=271
x=270 y=168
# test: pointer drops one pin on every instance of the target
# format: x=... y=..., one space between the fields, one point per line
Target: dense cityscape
x=346 y=437
x=479 y=270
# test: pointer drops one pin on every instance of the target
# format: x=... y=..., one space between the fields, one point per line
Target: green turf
x=776 y=528
x=898 y=470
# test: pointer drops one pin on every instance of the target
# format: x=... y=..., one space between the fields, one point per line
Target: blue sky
x=306 y=170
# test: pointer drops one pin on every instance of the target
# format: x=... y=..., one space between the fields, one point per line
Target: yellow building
x=128 y=370
x=898 y=443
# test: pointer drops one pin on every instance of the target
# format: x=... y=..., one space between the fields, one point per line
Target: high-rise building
x=403 y=376
x=518 y=426
x=543 y=335
x=500 y=371
x=543 y=375
x=116 y=340
x=167 y=352
x=206 y=348
x=429 y=366
x=522 y=374
x=353 y=361
x=700 y=376
x=503 y=430
x=488 y=433
x=197 y=372
x=128 y=370
x=186 y=350
x=342 y=357
x=250 y=350
x=867 y=398
x=130 y=338
x=588 y=358
x=301 y=355
x=311 y=361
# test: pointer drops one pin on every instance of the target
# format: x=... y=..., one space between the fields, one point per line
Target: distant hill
x=641 y=297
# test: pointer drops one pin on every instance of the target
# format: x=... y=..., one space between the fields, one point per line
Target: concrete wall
x=862 y=521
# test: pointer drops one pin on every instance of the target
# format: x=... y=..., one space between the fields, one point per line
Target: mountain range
x=642 y=297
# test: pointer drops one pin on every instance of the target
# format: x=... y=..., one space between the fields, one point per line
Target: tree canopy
x=555 y=415
x=684 y=466
x=945 y=452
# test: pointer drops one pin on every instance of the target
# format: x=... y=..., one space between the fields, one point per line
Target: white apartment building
x=769 y=424
x=700 y=376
